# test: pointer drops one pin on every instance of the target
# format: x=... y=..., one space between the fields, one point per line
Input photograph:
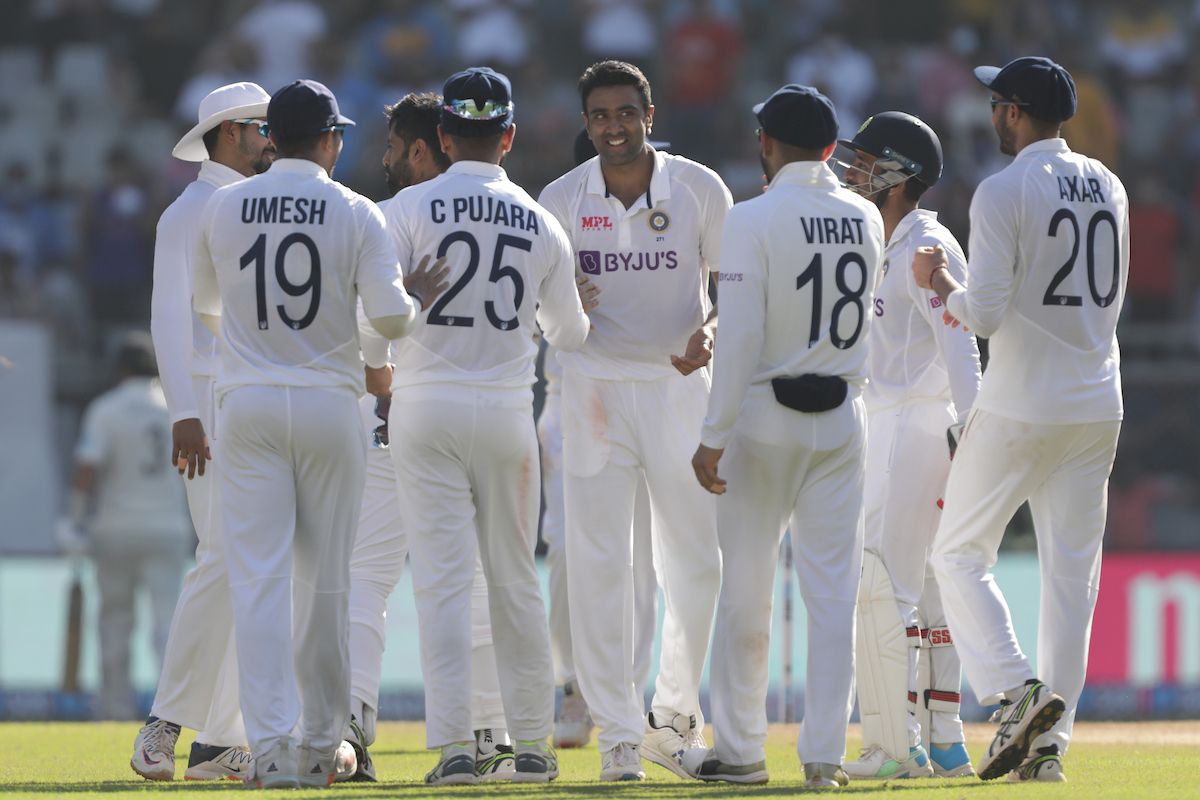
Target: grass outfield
x=1107 y=760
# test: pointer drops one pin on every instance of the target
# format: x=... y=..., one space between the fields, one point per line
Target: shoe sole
x=964 y=771
x=533 y=777
x=454 y=780
x=571 y=744
x=222 y=777
x=497 y=777
x=751 y=778
x=623 y=776
x=671 y=764
x=1015 y=753
x=153 y=776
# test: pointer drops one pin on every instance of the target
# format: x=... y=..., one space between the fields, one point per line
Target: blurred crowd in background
x=94 y=93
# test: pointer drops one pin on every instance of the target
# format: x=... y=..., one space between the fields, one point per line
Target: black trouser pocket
x=810 y=393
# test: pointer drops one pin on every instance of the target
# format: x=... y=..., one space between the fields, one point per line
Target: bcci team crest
x=659 y=221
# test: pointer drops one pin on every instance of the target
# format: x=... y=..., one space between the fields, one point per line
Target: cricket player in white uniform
x=197 y=687
x=461 y=424
x=574 y=724
x=923 y=378
x=280 y=261
x=1045 y=283
x=787 y=425
x=126 y=495
x=646 y=228
x=413 y=155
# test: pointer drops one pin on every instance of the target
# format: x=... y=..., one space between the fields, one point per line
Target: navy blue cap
x=303 y=108
x=477 y=102
x=1044 y=89
x=800 y=116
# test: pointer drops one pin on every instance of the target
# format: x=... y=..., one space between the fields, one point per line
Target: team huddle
x=350 y=384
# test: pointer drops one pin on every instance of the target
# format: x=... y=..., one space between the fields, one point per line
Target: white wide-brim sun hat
x=235 y=101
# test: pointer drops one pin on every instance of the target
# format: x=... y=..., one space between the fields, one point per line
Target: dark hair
x=477 y=148
x=613 y=73
x=210 y=139
x=416 y=117
x=135 y=355
x=914 y=188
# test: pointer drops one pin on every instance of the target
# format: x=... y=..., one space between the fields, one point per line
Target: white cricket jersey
x=911 y=354
x=651 y=262
x=281 y=259
x=126 y=436
x=185 y=348
x=510 y=263
x=799 y=269
x=1046 y=280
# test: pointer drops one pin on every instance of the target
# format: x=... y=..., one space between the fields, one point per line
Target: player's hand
x=698 y=353
x=927 y=261
x=704 y=463
x=189 y=447
x=589 y=293
x=379 y=380
x=428 y=282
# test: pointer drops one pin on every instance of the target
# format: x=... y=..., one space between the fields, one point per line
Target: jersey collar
x=911 y=219
x=1057 y=145
x=218 y=174
x=480 y=168
x=660 y=181
x=298 y=166
x=805 y=173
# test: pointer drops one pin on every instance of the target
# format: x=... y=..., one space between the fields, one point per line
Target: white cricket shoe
x=214 y=762
x=621 y=763
x=536 y=762
x=456 y=766
x=874 y=762
x=494 y=760
x=1022 y=721
x=703 y=764
x=574 y=725
x=665 y=744
x=276 y=768
x=154 y=750
x=819 y=775
x=1044 y=764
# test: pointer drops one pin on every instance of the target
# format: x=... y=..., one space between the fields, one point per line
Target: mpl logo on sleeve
x=595 y=223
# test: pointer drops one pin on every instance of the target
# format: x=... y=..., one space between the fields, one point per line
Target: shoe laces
x=161 y=732
x=623 y=753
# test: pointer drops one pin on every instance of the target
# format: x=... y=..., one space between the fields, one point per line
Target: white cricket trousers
x=908 y=460
x=198 y=685
x=645 y=585
x=812 y=473
x=292 y=488
x=615 y=435
x=380 y=547
x=467 y=465
x=1062 y=470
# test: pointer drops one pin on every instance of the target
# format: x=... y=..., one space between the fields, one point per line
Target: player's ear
x=418 y=150
x=506 y=140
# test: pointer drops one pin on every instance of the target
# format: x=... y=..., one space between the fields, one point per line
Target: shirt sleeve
x=374 y=346
x=206 y=295
x=552 y=199
x=93 y=441
x=741 y=333
x=956 y=347
x=716 y=204
x=560 y=313
x=991 y=269
x=378 y=277
x=171 y=315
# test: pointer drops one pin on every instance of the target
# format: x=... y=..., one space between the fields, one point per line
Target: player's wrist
x=417 y=296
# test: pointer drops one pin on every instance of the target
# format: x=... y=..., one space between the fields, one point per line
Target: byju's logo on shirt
x=593 y=262
x=595 y=223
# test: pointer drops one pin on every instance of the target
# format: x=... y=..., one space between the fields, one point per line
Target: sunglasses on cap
x=468 y=109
